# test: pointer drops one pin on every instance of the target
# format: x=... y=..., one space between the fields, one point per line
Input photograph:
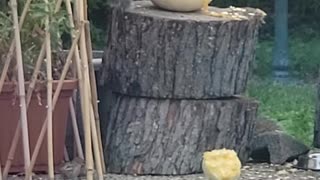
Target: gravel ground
x=250 y=172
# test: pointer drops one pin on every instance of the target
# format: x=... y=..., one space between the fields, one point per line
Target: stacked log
x=316 y=138
x=176 y=80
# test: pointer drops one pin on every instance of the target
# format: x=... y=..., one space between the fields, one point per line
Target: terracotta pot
x=9 y=110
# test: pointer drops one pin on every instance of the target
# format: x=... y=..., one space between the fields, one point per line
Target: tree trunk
x=316 y=138
x=162 y=54
x=168 y=137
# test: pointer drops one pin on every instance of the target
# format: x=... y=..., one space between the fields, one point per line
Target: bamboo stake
x=87 y=129
x=23 y=109
x=30 y=89
x=75 y=129
x=76 y=13
x=0 y=172
x=35 y=74
x=81 y=67
x=83 y=95
x=12 y=150
x=94 y=95
x=93 y=82
x=66 y=154
x=12 y=46
x=54 y=101
x=71 y=23
x=96 y=134
x=85 y=91
x=93 y=129
x=85 y=9
x=49 y=97
x=90 y=127
x=86 y=121
x=96 y=145
x=29 y=95
x=86 y=79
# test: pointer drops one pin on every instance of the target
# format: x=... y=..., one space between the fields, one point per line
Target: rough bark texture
x=162 y=54
x=316 y=140
x=168 y=137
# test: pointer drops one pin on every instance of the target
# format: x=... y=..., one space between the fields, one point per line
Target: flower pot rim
x=67 y=85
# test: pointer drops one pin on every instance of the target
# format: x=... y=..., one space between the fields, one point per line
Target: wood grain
x=168 y=137
x=163 y=54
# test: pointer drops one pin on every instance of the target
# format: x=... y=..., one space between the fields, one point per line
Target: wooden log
x=162 y=54
x=316 y=137
x=168 y=137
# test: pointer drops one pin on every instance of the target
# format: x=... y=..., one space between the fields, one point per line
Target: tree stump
x=162 y=54
x=316 y=138
x=168 y=137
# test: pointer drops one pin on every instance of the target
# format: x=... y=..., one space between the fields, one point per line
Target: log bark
x=162 y=54
x=316 y=137
x=168 y=137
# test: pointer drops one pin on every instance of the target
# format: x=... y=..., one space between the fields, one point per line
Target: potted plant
x=32 y=37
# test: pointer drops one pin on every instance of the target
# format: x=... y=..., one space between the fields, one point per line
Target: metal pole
x=280 y=64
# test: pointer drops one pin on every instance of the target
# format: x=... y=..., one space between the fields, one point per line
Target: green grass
x=292 y=106
x=304 y=53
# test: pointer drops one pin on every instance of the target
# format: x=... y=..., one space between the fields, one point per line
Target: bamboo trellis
x=81 y=52
x=0 y=172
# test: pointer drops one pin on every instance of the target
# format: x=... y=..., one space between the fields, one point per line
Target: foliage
x=97 y=16
x=292 y=106
x=302 y=15
x=5 y=29
x=303 y=55
x=33 y=32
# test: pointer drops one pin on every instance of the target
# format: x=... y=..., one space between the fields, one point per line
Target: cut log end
x=163 y=54
x=146 y=8
x=168 y=137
